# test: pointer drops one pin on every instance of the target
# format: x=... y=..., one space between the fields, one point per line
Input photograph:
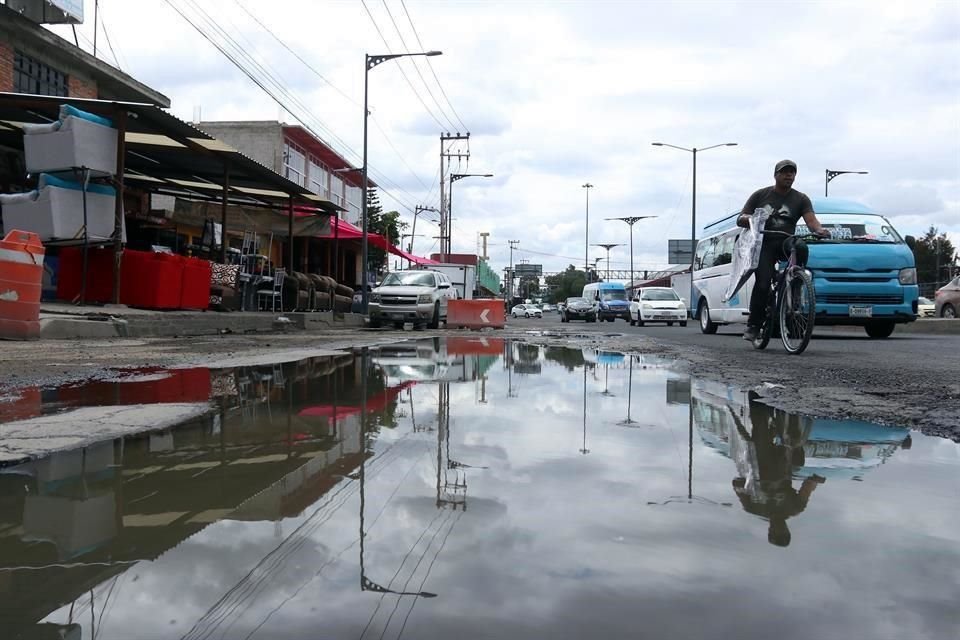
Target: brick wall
x=6 y=67
x=81 y=88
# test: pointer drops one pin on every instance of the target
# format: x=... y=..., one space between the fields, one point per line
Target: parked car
x=547 y=307
x=657 y=304
x=578 y=309
x=527 y=311
x=926 y=308
x=417 y=296
x=947 y=299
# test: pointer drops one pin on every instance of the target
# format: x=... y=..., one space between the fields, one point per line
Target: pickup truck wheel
x=880 y=328
x=374 y=323
x=435 y=321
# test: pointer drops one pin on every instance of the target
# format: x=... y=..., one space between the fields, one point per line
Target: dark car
x=947 y=299
x=578 y=309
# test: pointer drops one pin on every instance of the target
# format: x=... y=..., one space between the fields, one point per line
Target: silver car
x=419 y=297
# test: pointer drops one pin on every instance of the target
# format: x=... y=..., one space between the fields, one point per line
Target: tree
x=566 y=284
x=529 y=286
x=934 y=251
x=386 y=224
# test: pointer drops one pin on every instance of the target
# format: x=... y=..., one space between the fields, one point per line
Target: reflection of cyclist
x=785 y=206
x=765 y=468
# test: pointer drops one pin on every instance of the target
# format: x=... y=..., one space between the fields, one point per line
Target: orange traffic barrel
x=21 y=278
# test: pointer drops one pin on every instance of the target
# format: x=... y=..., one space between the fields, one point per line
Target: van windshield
x=607 y=296
x=856 y=228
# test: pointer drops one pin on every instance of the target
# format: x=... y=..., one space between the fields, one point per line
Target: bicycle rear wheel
x=798 y=306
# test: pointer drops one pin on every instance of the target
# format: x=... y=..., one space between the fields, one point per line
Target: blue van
x=864 y=275
x=610 y=298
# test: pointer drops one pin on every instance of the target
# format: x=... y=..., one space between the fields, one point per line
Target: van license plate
x=857 y=311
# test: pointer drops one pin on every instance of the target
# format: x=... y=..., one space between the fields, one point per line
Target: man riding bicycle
x=785 y=206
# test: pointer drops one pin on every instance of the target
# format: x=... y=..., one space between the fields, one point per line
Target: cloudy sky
x=558 y=94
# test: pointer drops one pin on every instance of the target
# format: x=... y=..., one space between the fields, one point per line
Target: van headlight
x=908 y=276
x=425 y=298
x=374 y=297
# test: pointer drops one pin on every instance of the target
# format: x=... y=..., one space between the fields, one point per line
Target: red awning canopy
x=347 y=231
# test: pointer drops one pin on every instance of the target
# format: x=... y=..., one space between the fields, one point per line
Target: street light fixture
x=369 y=63
x=830 y=174
x=446 y=230
x=693 y=205
x=608 y=246
x=631 y=220
x=586 y=232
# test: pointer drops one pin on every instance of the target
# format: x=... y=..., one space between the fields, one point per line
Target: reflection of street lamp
x=584 y=450
x=690 y=498
x=830 y=174
x=369 y=63
x=629 y=422
x=631 y=220
x=446 y=231
x=608 y=247
x=365 y=583
x=693 y=204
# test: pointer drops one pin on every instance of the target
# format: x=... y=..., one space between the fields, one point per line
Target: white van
x=864 y=275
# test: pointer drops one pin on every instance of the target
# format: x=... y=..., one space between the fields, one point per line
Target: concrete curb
x=139 y=324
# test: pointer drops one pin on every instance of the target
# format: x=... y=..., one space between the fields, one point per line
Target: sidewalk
x=59 y=321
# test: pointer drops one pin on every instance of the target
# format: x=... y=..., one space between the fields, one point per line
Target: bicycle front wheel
x=798 y=306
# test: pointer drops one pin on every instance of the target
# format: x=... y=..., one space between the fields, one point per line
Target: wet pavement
x=490 y=489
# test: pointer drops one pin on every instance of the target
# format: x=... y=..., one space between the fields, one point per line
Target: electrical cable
x=430 y=65
x=416 y=67
x=262 y=78
x=402 y=72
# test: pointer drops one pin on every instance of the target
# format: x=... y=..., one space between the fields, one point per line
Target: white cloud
x=558 y=94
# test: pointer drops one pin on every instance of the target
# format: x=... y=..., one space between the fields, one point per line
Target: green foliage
x=926 y=252
x=566 y=284
x=528 y=287
x=386 y=224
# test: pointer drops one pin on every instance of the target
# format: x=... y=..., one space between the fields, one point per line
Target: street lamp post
x=608 y=246
x=586 y=232
x=693 y=205
x=830 y=174
x=446 y=231
x=631 y=220
x=369 y=63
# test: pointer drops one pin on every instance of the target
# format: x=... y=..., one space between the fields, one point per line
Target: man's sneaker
x=751 y=334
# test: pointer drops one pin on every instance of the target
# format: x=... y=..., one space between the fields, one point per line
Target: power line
x=402 y=72
x=416 y=67
x=289 y=49
x=265 y=78
x=430 y=65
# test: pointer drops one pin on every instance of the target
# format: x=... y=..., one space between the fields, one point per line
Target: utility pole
x=586 y=231
x=484 y=235
x=416 y=212
x=448 y=151
x=512 y=243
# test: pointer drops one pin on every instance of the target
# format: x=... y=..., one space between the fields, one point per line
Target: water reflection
x=782 y=458
x=442 y=487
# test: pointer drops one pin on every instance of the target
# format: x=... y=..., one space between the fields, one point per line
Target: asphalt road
x=910 y=379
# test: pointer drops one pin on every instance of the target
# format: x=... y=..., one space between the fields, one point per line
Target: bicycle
x=793 y=313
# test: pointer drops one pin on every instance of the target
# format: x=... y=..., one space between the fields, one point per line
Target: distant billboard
x=680 y=251
x=527 y=269
x=50 y=11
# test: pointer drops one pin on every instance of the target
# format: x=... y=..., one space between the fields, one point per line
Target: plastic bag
x=746 y=253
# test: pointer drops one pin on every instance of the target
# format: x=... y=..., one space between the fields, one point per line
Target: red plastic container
x=195 y=287
x=21 y=276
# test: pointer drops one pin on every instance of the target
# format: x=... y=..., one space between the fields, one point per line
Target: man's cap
x=783 y=164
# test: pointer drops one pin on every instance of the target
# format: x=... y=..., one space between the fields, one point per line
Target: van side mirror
x=911 y=242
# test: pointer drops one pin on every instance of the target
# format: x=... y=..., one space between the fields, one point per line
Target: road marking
x=483 y=316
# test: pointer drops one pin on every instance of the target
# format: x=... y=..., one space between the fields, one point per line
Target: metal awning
x=167 y=155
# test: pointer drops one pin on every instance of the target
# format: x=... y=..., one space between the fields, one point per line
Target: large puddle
x=490 y=489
